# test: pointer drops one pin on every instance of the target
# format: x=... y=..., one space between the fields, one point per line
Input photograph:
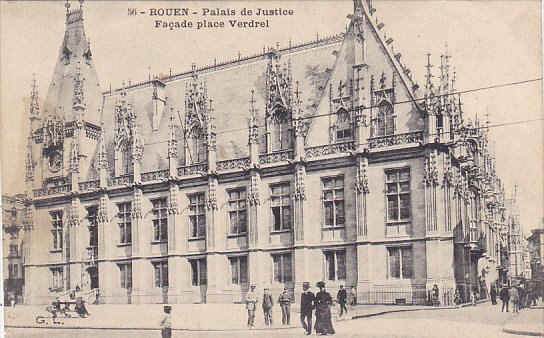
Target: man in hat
x=166 y=322
x=307 y=304
x=285 y=303
x=251 y=305
x=268 y=302
x=342 y=297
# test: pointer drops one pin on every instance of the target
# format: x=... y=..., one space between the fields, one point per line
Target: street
x=483 y=320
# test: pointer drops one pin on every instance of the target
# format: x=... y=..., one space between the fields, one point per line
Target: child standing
x=166 y=322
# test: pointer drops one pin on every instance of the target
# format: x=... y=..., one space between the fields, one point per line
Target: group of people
x=74 y=297
x=320 y=302
x=517 y=294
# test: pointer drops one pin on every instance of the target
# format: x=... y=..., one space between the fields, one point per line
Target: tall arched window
x=281 y=131
x=198 y=146
x=343 y=126
x=385 y=122
x=123 y=159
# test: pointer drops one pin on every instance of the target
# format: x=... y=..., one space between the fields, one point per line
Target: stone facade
x=13 y=217
x=341 y=170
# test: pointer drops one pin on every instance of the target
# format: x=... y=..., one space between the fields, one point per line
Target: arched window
x=343 y=126
x=123 y=159
x=198 y=146
x=281 y=131
x=384 y=122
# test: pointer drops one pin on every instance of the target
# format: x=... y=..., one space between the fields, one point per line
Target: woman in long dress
x=323 y=317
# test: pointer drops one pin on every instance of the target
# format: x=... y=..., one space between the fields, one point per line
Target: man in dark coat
x=307 y=304
x=504 y=295
x=268 y=302
x=285 y=303
x=493 y=294
x=341 y=297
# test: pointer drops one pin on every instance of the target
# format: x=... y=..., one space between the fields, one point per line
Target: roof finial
x=67 y=5
x=81 y=4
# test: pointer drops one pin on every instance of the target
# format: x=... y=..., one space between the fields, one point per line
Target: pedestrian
x=514 y=298
x=353 y=301
x=54 y=308
x=251 y=306
x=307 y=305
x=457 y=298
x=285 y=303
x=493 y=294
x=12 y=299
x=436 y=292
x=504 y=296
x=80 y=303
x=522 y=296
x=323 y=317
x=166 y=322
x=342 y=297
x=268 y=303
x=473 y=297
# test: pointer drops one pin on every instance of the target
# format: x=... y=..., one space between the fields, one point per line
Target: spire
x=252 y=122
x=429 y=84
x=74 y=155
x=29 y=165
x=210 y=129
x=74 y=65
x=172 y=142
x=138 y=144
x=34 y=105
x=102 y=153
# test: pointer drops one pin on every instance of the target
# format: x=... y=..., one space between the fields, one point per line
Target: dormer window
x=281 y=131
x=384 y=123
x=197 y=146
x=343 y=126
x=123 y=159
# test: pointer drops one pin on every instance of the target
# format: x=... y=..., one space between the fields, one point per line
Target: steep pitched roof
x=229 y=85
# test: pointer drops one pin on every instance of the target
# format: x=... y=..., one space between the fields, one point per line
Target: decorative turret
x=137 y=151
x=102 y=160
x=253 y=137
x=211 y=140
x=298 y=125
x=172 y=146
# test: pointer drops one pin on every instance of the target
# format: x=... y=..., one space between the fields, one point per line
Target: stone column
x=299 y=197
x=173 y=215
x=136 y=215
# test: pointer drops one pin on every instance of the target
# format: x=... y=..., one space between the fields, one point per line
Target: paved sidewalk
x=529 y=322
x=190 y=317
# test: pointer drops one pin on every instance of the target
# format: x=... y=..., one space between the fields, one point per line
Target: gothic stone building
x=317 y=161
x=13 y=212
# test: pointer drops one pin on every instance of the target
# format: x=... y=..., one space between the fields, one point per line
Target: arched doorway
x=93 y=277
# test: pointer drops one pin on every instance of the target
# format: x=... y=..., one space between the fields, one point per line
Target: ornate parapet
x=193 y=169
x=278 y=156
x=121 y=180
x=395 y=140
x=61 y=189
x=155 y=175
x=89 y=186
x=238 y=163
x=330 y=149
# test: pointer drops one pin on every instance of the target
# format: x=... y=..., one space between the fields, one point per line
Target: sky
x=491 y=43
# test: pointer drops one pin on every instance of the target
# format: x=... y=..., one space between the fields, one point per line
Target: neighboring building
x=13 y=211
x=536 y=253
x=347 y=172
x=516 y=265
